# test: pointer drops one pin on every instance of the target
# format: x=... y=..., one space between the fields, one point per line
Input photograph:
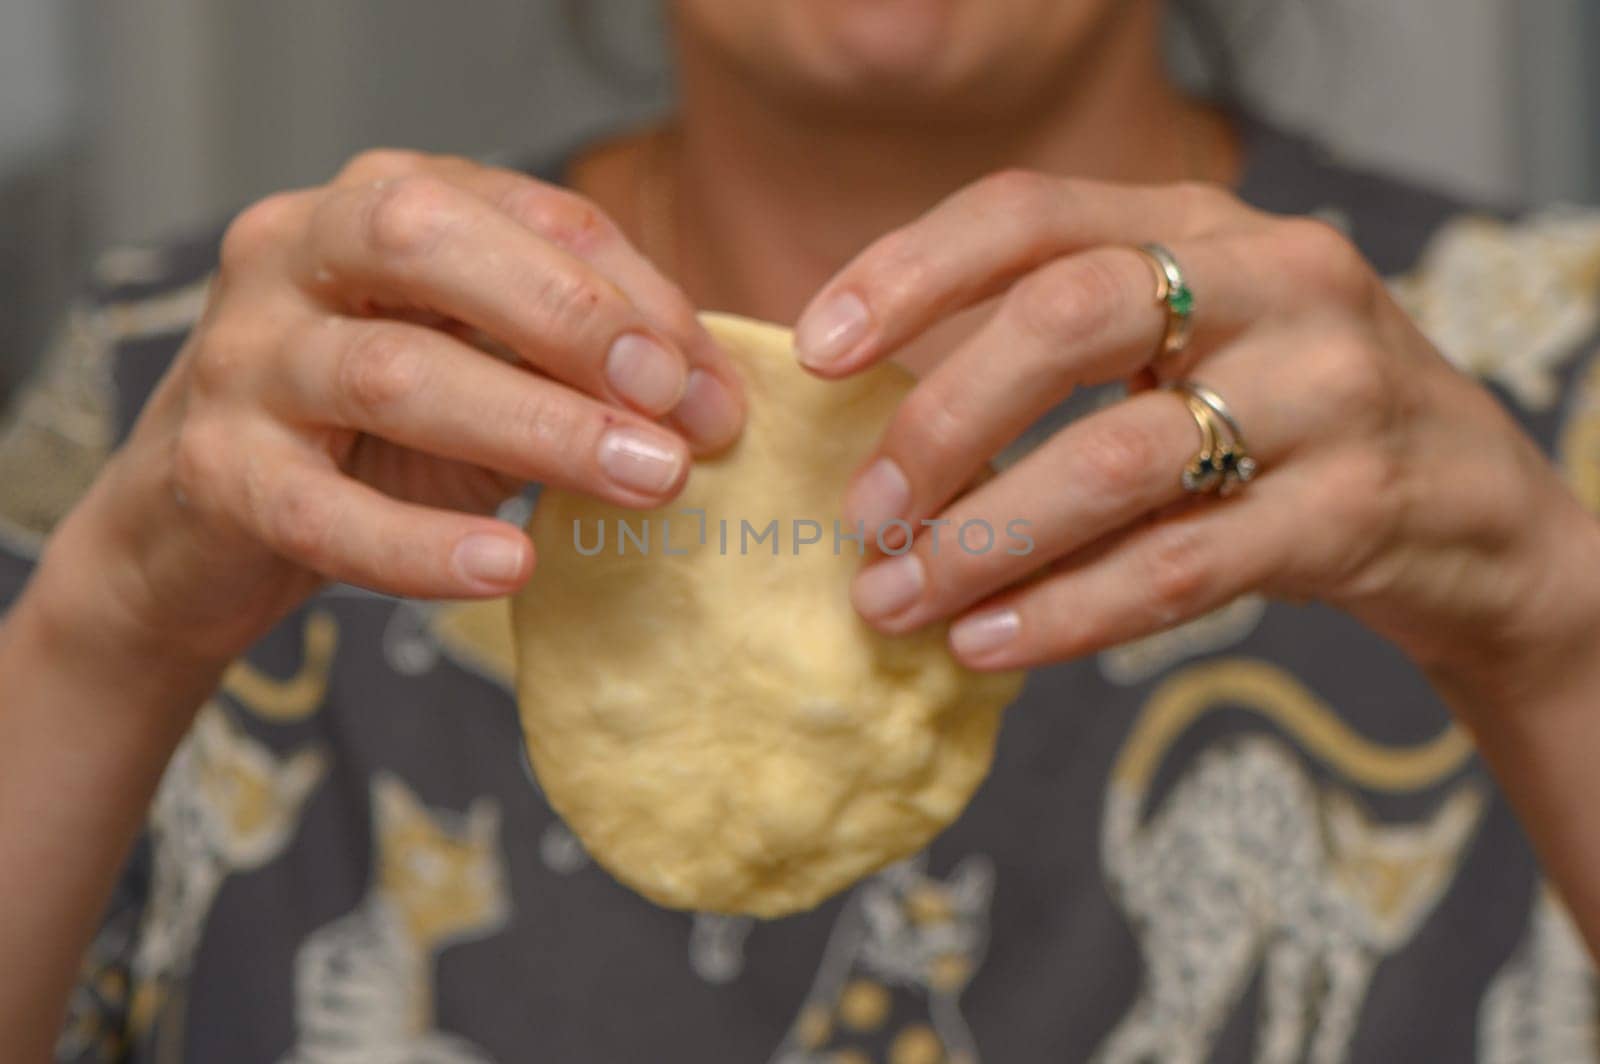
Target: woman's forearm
x=90 y=711
x=1536 y=718
x=1546 y=756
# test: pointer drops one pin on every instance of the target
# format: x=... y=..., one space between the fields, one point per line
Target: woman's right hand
x=382 y=360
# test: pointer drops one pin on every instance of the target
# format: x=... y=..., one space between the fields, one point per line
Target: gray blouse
x=348 y=860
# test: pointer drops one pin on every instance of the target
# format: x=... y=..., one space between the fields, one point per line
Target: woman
x=342 y=864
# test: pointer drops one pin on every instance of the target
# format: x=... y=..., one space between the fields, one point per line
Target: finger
x=1093 y=477
x=975 y=244
x=1291 y=390
x=1298 y=534
x=384 y=164
x=347 y=531
x=420 y=388
x=711 y=411
x=424 y=243
x=1154 y=578
x=1081 y=320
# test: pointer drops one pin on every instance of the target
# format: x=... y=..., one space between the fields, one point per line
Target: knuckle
x=1114 y=460
x=927 y=428
x=254 y=230
x=449 y=163
x=561 y=217
x=564 y=301
x=299 y=520
x=1357 y=494
x=553 y=423
x=1357 y=504
x=1347 y=372
x=1177 y=571
x=375 y=164
x=221 y=351
x=1067 y=304
x=1017 y=190
x=1323 y=257
x=198 y=458
x=377 y=370
x=897 y=267
x=409 y=215
x=1204 y=200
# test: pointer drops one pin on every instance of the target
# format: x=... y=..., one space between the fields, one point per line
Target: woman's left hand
x=1391 y=485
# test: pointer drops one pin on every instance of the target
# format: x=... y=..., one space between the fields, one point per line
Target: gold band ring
x=1174 y=295
x=1203 y=474
x=1223 y=463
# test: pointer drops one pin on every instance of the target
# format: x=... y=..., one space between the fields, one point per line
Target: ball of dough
x=709 y=714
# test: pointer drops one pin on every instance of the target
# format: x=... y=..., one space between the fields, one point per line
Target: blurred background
x=137 y=120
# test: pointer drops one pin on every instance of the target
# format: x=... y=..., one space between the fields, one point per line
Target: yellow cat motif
x=364 y=983
x=1248 y=863
x=889 y=986
x=298 y=696
x=226 y=804
x=1580 y=440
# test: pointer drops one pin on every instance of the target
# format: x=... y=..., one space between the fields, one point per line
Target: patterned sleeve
x=55 y=436
x=58 y=431
x=1579 y=445
x=1517 y=304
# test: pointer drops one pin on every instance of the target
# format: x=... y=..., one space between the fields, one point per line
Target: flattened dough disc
x=720 y=728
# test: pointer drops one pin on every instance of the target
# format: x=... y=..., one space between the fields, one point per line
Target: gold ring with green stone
x=1174 y=294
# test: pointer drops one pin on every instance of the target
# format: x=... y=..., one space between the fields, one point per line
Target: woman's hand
x=1391 y=485
x=381 y=362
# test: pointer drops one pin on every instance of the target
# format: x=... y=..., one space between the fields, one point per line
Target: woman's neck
x=767 y=198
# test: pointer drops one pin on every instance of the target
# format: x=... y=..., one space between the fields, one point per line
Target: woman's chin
x=896 y=50
x=891 y=59
x=886 y=42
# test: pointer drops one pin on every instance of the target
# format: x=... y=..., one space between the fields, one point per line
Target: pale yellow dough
x=722 y=731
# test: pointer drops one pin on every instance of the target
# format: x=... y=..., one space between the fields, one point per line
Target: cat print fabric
x=1248 y=864
x=890 y=981
x=226 y=805
x=1542 y=1007
x=1254 y=837
x=364 y=983
x=1510 y=302
x=1580 y=438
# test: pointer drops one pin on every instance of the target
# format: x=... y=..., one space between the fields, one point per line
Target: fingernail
x=886 y=588
x=708 y=412
x=489 y=559
x=878 y=496
x=826 y=333
x=644 y=373
x=983 y=633
x=641 y=461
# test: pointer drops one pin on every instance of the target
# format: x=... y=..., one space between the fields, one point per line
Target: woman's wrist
x=1544 y=659
x=77 y=624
